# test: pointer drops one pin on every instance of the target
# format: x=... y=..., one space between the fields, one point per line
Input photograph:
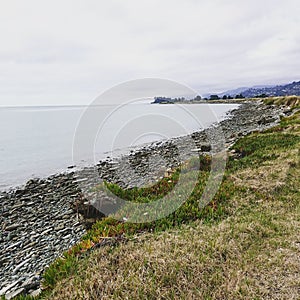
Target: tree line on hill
x=168 y=100
x=261 y=92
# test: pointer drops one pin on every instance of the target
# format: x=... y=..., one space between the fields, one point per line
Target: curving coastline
x=41 y=220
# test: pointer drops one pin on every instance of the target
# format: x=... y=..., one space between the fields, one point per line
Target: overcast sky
x=68 y=52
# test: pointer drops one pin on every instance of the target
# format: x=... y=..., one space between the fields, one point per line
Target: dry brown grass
x=253 y=254
x=291 y=101
x=200 y=262
x=270 y=176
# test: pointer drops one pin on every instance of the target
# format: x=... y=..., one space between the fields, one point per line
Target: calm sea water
x=39 y=141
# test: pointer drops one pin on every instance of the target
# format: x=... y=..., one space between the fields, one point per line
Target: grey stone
x=12 y=227
x=206 y=147
x=35 y=293
x=19 y=266
x=7 y=288
x=31 y=283
x=14 y=294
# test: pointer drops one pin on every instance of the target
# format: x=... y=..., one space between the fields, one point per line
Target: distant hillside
x=279 y=90
x=242 y=89
x=233 y=92
x=265 y=90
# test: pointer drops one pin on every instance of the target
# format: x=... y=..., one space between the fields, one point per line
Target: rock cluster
x=37 y=225
x=46 y=217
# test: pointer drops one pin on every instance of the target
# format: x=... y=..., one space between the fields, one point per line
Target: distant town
x=254 y=92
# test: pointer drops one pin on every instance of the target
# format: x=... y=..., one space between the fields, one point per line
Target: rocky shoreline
x=47 y=216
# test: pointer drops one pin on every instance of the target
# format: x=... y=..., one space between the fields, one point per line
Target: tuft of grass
x=291 y=101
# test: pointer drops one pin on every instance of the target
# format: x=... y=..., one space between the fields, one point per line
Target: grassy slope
x=244 y=245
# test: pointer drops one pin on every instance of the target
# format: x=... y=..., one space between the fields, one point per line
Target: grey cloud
x=66 y=51
x=46 y=51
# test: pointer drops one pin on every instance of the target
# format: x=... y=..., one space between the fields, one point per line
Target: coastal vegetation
x=243 y=245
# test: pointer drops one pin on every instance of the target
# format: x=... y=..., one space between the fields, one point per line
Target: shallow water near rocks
x=38 y=141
